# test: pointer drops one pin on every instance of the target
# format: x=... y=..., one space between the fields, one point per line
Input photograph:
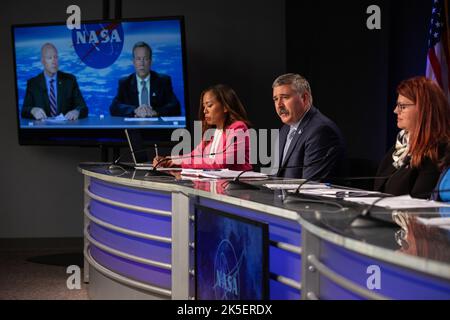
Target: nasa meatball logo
x=226 y=272
x=98 y=45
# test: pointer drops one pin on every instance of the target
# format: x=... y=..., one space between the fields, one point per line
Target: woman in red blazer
x=226 y=142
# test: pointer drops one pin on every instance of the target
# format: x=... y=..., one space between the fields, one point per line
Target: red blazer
x=233 y=151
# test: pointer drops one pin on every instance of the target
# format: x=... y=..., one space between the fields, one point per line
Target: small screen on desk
x=231 y=257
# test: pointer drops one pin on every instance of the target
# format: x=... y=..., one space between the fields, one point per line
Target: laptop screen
x=135 y=141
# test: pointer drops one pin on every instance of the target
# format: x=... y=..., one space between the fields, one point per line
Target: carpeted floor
x=39 y=274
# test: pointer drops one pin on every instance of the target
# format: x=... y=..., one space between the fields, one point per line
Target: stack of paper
x=221 y=174
x=441 y=221
x=359 y=196
x=400 y=202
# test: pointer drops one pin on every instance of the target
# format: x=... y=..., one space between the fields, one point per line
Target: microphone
x=236 y=184
x=366 y=211
x=116 y=163
x=234 y=139
x=350 y=178
x=342 y=179
x=365 y=218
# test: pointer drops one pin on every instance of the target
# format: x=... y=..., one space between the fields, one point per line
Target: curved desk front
x=139 y=242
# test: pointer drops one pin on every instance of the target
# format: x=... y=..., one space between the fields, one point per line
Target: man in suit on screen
x=311 y=146
x=53 y=92
x=145 y=93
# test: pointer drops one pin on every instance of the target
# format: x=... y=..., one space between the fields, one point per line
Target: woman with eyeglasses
x=413 y=165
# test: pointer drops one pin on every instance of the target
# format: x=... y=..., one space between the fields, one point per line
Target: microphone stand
x=116 y=164
x=193 y=156
x=237 y=184
x=365 y=216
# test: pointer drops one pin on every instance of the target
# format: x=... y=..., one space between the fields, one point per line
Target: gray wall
x=237 y=42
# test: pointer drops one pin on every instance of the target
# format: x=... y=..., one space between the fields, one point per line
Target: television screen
x=91 y=83
x=231 y=256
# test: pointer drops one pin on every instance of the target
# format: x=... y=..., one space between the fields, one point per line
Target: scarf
x=400 y=155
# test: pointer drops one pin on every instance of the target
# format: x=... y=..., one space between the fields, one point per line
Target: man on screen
x=145 y=93
x=53 y=92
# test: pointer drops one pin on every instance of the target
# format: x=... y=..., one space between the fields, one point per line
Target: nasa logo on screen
x=98 y=45
x=226 y=272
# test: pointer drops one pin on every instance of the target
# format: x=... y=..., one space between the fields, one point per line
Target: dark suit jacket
x=162 y=98
x=69 y=96
x=318 y=147
x=417 y=182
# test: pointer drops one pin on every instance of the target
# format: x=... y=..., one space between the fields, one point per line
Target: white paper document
x=358 y=196
x=171 y=119
x=274 y=186
x=221 y=174
x=150 y=167
x=441 y=221
x=400 y=202
x=294 y=186
x=140 y=119
x=59 y=118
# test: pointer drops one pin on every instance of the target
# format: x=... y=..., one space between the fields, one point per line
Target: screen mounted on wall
x=91 y=83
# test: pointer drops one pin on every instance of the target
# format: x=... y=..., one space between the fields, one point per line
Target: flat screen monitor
x=95 y=72
x=231 y=256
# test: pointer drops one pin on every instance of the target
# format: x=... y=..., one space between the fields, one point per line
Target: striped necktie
x=53 y=104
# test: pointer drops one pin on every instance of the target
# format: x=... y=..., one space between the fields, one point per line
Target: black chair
x=359 y=167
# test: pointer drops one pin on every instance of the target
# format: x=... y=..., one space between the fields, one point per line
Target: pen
x=156 y=150
x=344 y=194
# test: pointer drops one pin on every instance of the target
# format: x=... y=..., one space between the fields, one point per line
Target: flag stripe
x=435 y=65
x=438 y=57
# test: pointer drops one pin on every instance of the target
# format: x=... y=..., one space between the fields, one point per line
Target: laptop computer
x=138 y=153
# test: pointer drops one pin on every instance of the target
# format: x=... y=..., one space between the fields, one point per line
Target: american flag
x=438 y=46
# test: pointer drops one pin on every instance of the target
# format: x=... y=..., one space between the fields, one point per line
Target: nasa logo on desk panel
x=98 y=45
x=231 y=256
x=226 y=271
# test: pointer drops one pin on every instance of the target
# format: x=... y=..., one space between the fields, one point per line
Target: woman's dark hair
x=433 y=121
x=226 y=96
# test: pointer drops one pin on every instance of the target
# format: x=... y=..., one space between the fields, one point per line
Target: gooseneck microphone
x=366 y=212
x=236 y=184
x=350 y=178
x=116 y=163
x=363 y=219
x=321 y=179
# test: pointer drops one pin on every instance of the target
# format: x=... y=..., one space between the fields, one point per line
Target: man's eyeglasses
x=402 y=106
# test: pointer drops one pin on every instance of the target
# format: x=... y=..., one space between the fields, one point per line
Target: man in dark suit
x=308 y=141
x=53 y=92
x=145 y=93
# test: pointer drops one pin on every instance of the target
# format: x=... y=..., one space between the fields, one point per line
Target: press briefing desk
x=139 y=241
